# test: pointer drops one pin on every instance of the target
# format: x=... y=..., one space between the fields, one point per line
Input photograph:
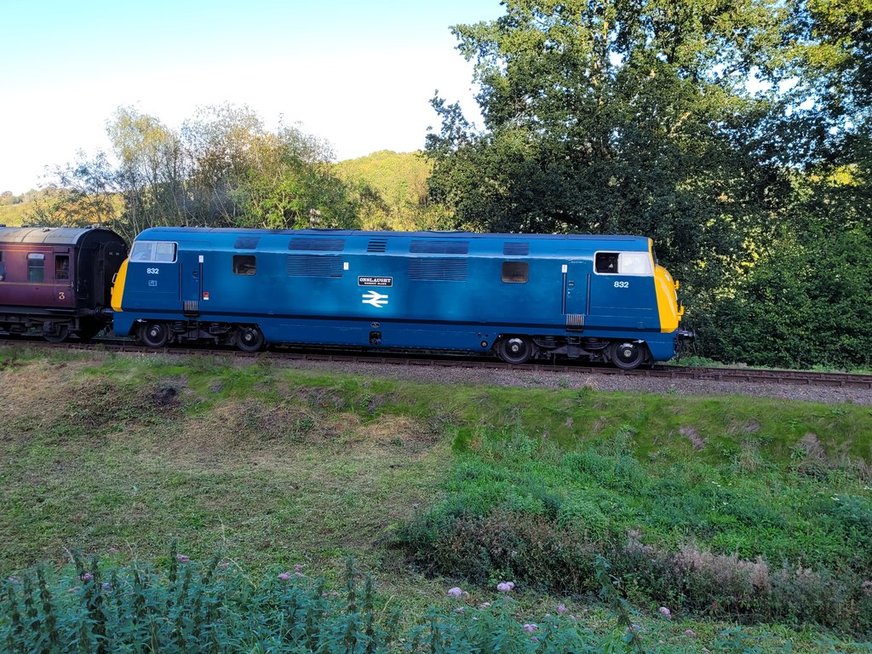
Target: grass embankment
x=271 y=466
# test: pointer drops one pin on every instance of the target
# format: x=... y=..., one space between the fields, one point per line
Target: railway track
x=743 y=375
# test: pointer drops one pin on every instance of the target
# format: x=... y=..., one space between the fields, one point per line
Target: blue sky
x=357 y=74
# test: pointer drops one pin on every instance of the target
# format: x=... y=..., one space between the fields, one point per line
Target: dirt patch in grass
x=36 y=390
x=691 y=434
x=398 y=432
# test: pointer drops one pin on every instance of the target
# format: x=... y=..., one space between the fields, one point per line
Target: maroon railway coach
x=57 y=281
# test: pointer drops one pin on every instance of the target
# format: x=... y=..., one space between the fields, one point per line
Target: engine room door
x=191 y=285
x=576 y=293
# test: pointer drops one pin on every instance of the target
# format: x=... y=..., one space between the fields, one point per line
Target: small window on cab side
x=35 y=267
x=515 y=272
x=244 y=264
x=62 y=267
x=607 y=262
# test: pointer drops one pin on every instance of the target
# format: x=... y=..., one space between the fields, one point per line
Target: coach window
x=515 y=272
x=62 y=267
x=244 y=264
x=2 y=268
x=35 y=267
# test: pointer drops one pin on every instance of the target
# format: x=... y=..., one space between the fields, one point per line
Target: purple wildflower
x=181 y=558
x=530 y=627
x=666 y=613
x=284 y=576
x=106 y=586
x=454 y=592
x=86 y=576
x=690 y=633
x=298 y=568
x=561 y=608
x=505 y=586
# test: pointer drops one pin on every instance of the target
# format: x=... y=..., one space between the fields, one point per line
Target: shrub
x=546 y=556
x=186 y=607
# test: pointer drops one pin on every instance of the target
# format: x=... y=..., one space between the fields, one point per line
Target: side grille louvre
x=313 y=265
x=377 y=245
x=441 y=269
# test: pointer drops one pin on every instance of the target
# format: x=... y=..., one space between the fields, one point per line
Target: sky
x=358 y=74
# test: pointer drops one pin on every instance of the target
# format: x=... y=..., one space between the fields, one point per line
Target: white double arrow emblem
x=375 y=299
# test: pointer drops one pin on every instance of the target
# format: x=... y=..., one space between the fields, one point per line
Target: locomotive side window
x=2 y=268
x=515 y=272
x=607 y=262
x=635 y=263
x=62 y=267
x=154 y=252
x=623 y=263
x=35 y=267
x=244 y=264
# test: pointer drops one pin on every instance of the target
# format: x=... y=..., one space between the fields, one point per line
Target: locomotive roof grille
x=516 y=249
x=246 y=243
x=317 y=244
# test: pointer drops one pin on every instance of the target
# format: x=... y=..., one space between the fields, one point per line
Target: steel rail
x=409 y=359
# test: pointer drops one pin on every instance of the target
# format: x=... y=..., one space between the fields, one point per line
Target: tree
x=222 y=168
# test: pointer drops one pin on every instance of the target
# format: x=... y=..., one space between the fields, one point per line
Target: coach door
x=576 y=293
x=192 y=283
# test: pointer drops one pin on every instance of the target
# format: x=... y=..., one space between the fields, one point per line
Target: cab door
x=191 y=272
x=576 y=293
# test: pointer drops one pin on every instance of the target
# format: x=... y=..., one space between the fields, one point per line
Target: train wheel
x=628 y=355
x=59 y=335
x=154 y=334
x=515 y=350
x=249 y=339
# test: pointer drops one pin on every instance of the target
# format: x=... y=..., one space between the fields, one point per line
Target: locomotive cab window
x=635 y=263
x=244 y=264
x=623 y=263
x=154 y=252
x=607 y=262
x=35 y=267
x=62 y=267
x=515 y=272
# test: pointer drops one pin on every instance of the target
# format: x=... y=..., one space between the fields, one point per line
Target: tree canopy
x=221 y=168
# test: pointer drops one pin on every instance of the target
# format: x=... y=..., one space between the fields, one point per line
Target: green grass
x=120 y=455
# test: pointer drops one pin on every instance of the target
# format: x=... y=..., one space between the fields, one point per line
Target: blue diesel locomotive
x=521 y=296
